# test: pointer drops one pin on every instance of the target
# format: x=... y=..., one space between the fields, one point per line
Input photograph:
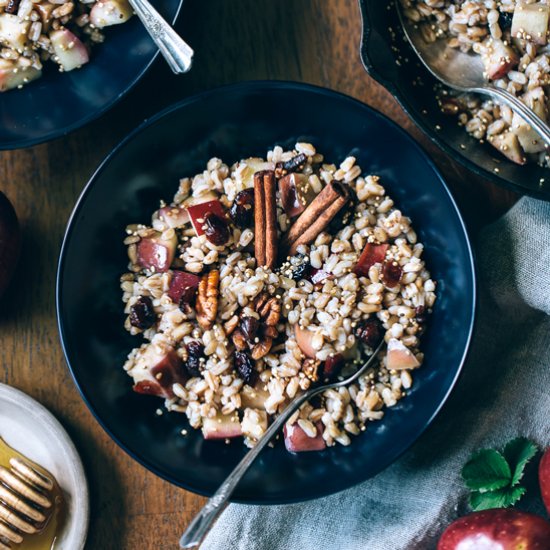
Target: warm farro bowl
x=58 y=102
x=390 y=60
x=229 y=124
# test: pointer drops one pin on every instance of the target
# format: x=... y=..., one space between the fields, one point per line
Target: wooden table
x=315 y=41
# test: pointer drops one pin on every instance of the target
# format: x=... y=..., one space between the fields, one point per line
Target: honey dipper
x=26 y=502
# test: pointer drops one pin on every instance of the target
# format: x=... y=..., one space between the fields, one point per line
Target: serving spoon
x=216 y=504
x=464 y=72
x=178 y=54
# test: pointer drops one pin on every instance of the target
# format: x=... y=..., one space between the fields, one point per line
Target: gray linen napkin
x=504 y=392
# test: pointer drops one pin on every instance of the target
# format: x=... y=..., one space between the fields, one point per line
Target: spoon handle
x=217 y=503
x=175 y=50
x=522 y=110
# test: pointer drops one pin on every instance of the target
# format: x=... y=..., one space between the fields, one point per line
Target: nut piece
x=262 y=348
x=207 y=299
x=239 y=340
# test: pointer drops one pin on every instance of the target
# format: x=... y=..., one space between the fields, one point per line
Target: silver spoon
x=175 y=50
x=465 y=72
x=216 y=504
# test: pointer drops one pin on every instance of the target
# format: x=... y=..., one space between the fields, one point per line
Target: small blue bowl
x=231 y=123
x=58 y=103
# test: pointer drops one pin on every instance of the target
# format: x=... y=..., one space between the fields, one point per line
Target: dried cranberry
x=370 y=332
x=420 y=314
x=391 y=273
x=332 y=367
x=249 y=328
x=345 y=215
x=215 y=228
x=242 y=209
x=12 y=6
x=195 y=352
x=245 y=367
x=295 y=163
x=142 y=314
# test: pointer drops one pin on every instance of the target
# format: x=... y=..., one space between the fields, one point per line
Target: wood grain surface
x=315 y=41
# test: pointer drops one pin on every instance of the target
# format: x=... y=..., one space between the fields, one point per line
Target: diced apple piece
x=530 y=22
x=156 y=373
x=221 y=427
x=253 y=398
x=297 y=441
x=400 y=357
x=303 y=339
x=110 y=12
x=296 y=193
x=198 y=211
x=205 y=197
x=182 y=283
x=69 y=51
x=529 y=140
x=254 y=165
x=254 y=423
x=508 y=144
x=156 y=252
x=372 y=254
x=13 y=31
x=12 y=76
x=174 y=216
x=499 y=60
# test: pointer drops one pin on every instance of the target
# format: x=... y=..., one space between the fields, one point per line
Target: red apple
x=160 y=375
x=156 y=252
x=221 y=427
x=508 y=144
x=69 y=51
x=110 y=12
x=14 y=31
x=499 y=60
x=296 y=193
x=296 y=440
x=10 y=241
x=372 y=254
x=303 y=339
x=174 y=216
x=182 y=283
x=400 y=357
x=13 y=75
x=198 y=211
x=530 y=22
x=498 y=529
x=544 y=478
x=254 y=398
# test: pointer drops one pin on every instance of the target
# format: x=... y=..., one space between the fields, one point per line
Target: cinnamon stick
x=317 y=215
x=265 y=219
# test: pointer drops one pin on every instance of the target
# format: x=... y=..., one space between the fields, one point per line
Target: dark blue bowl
x=230 y=123
x=59 y=103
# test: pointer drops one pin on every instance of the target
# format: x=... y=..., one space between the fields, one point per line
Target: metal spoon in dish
x=465 y=72
x=175 y=50
x=216 y=504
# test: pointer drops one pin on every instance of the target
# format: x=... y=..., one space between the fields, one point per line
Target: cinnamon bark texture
x=317 y=215
x=265 y=219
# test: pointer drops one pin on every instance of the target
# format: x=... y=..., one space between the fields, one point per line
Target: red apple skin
x=296 y=440
x=167 y=372
x=10 y=242
x=181 y=281
x=372 y=254
x=198 y=211
x=499 y=529
x=544 y=478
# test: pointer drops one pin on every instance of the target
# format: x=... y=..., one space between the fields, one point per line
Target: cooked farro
x=511 y=37
x=273 y=332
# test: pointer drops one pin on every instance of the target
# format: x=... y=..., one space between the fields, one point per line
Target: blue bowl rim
x=424 y=125
x=254 y=85
x=66 y=130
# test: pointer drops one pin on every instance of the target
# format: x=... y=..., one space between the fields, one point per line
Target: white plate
x=32 y=430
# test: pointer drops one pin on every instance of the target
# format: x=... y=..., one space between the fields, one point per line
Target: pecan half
x=261 y=348
x=239 y=340
x=207 y=299
x=269 y=309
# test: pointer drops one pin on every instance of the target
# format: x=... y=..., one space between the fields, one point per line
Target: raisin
x=215 y=228
x=391 y=273
x=249 y=328
x=142 y=314
x=295 y=163
x=242 y=209
x=370 y=332
x=345 y=215
x=195 y=352
x=420 y=314
x=245 y=367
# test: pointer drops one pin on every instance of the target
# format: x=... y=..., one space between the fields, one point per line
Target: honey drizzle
x=45 y=540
